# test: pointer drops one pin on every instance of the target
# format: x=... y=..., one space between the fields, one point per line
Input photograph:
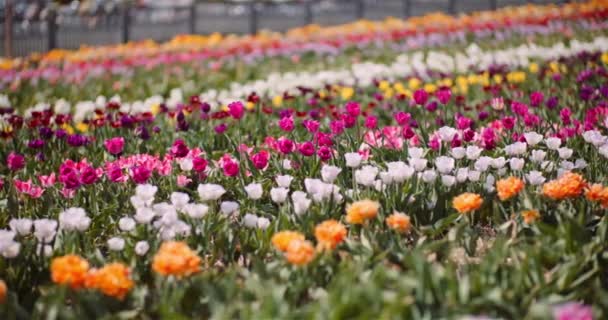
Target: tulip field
x=438 y=167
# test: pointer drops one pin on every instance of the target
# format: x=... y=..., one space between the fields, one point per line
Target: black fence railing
x=57 y=28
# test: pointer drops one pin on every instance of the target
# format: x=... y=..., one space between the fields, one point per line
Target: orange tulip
x=467 y=202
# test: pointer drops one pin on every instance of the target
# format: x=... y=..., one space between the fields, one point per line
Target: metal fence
x=58 y=29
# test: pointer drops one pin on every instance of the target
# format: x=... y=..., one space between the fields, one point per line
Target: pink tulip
x=236 y=110
x=115 y=145
x=353 y=109
x=199 y=164
x=68 y=193
x=402 y=118
x=231 y=168
x=337 y=127
x=311 y=125
x=141 y=174
x=444 y=95
x=371 y=122
x=183 y=181
x=115 y=174
x=88 y=176
x=306 y=149
x=324 y=153
x=26 y=187
x=15 y=161
x=23 y=186
x=47 y=181
x=286 y=124
x=420 y=96
x=164 y=167
x=435 y=143
x=286 y=146
x=179 y=149
x=260 y=160
x=573 y=311
x=36 y=192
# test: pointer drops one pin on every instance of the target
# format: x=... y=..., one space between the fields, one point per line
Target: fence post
x=192 y=18
x=360 y=9
x=253 y=18
x=8 y=29
x=451 y=6
x=308 y=12
x=407 y=8
x=493 y=5
x=51 y=29
x=126 y=23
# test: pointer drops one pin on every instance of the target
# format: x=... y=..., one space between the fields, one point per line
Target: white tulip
x=144 y=215
x=22 y=227
x=489 y=184
x=535 y=178
x=399 y=171
x=287 y=164
x=538 y=156
x=366 y=176
x=448 y=180
x=415 y=153
x=580 y=164
x=566 y=165
x=116 y=244
x=462 y=174
x=473 y=152
x=74 y=219
x=250 y=220
x=565 y=153
x=458 y=152
x=482 y=163
x=196 y=210
x=300 y=206
x=533 y=138
x=516 y=164
x=353 y=159
x=330 y=173
x=254 y=191
x=141 y=248
x=284 y=181
x=229 y=207
x=516 y=149
x=447 y=134
x=418 y=164
x=474 y=175
x=429 y=176
x=444 y=164
x=186 y=164
x=146 y=192
x=126 y=224
x=263 y=223
x=209 y=191
x=553 y=143
x=278 y=195
x=499 y=162
x=179 y=199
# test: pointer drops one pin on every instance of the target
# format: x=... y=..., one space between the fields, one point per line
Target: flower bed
x=461 y=180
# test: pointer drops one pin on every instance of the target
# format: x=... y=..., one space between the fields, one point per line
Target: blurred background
x=41 y=25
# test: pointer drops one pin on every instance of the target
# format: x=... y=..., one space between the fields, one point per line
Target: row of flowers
x=392 y=137
x=391 y=29
x=425 y=65
x=192 y=68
